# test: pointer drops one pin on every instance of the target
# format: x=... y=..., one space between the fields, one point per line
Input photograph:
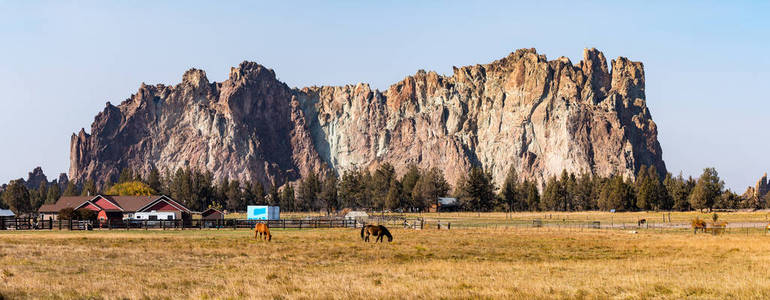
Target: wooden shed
x=212 y=214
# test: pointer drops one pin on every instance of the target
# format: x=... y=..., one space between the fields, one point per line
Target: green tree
x=126 y=175
x=274 y=197
x=552 y=192
x=380 y=184
x=583 y=192
x=408 y=181
x=511 y=192
x=616 y=194
x=53 y=194
x=287 y=198
x=478 y=191
x=234 y=196
x=308 y=191
x=89 y=188
x=395 y=196
x=257 y=194
x=707 y=190
x=727 y=200
x=153 y=179
x=532 y=194
x=430 y=186
x=16 y=197
x=71 y=189
x=328 y=193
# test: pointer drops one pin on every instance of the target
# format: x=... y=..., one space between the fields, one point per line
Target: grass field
x=484 y=262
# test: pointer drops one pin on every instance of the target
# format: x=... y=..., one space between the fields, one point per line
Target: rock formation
x=524 y=111
x=34 y=178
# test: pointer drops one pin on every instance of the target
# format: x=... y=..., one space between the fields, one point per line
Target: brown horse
x=641 y=222
x=376 y=230
x=263 y=231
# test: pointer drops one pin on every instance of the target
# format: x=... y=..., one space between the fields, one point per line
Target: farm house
x=445 y=204
x=120 y=207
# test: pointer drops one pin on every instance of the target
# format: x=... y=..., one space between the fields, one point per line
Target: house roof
x=210 y=210
x=6 y=213
x=126 y=203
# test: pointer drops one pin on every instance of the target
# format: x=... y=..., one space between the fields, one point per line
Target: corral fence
x=546 y=224
x=35 y=224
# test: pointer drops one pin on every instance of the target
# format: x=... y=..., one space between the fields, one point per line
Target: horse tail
x=362 y=231
x=386 y=233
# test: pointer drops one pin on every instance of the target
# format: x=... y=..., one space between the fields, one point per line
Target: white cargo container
x=263 y=212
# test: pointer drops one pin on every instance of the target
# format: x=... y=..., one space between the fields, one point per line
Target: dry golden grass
x=335 y=263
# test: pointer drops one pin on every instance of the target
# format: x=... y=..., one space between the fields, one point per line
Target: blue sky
x=707 y=64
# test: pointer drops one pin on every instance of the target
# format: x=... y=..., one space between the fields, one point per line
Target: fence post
x=300 y=223
x=235 y=223
x=449 y=226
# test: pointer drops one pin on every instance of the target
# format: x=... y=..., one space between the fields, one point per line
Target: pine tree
x=16 y=197
x=380 y=184
x=234 y=196
x=430 y=186
x=328 y=193
x=532 y=195
x=71 y=190
x=308 y=191
x=126 y=175
x=643 y=188
x=274 y=197
x=478 y=192
x=54 y=192
x=257 y=194
x=153 y=179
x=89 y=188
x=551 y=195
x=510 y=192
x=707 y=190
x=287 y=198
x=408 y=181
x=395 y=195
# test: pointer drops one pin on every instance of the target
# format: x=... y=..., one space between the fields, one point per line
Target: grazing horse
x=376 y=230
x=698 y=224
x=641 y=222
x=263 y=231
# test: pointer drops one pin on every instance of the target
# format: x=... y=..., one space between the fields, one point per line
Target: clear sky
x=707 y=64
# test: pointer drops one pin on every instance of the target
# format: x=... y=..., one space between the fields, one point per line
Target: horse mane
x=386 y=233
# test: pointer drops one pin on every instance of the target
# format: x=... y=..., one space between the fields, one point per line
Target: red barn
x=118 y=207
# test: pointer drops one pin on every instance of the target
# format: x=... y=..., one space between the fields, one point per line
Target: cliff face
x=524 y=111
x=249 y=126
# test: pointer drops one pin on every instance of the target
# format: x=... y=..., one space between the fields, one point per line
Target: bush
x=131 y=188
x=86 y=214
x=66 y=214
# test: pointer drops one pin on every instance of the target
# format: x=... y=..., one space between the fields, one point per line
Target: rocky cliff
x=524 y=111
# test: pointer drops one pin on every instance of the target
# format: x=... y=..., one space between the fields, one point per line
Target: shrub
x=66 y=214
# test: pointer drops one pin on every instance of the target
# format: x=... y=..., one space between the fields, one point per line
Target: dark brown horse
x=263 y=231
x=376 y=230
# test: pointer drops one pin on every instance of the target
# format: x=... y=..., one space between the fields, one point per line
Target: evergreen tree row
x=417 y=190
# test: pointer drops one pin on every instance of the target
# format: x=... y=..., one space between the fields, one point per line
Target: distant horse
x=263 y=231
x=376 y=230
x=698 y=224
x=641 y=222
